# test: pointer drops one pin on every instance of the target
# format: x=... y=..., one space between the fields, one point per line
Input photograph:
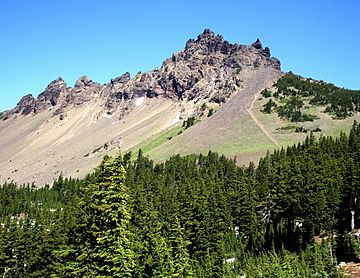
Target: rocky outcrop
x=266 y=52
x=52 y=93
x=26 y=105
x=85 y=90
x=121 y=79
x=84 y=82
x=209 y=69
x=49 y=98
x=257 y=44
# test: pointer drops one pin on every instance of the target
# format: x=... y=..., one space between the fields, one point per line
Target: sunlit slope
x=231 y=130
x=41 y=147
x=240 y=129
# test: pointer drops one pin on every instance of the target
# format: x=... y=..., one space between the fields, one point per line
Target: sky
x=41 y=40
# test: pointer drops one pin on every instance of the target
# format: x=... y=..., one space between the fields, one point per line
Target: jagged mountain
x=68 y=129
x=207 y=69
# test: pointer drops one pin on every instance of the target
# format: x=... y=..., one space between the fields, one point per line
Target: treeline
x=339 y=102
x=192 y=216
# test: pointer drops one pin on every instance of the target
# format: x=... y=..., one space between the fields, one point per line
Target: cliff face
x=208 y=70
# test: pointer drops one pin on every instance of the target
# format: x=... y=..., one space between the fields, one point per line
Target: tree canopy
x=192 y=216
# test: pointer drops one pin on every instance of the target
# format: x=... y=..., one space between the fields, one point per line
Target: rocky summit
x=208 y=69
x=54 y=132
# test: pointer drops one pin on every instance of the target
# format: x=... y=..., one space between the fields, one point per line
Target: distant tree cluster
x=291 y=111
x=339 y=102
x=192 y=216
x=189 y=122
x=268 y=107
x=266 y=93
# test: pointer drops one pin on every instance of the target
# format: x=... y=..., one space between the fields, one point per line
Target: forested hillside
x=293 y=93
x=192 y=216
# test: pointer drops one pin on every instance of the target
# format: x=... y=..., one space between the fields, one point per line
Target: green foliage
x=314 y=262
x=301 y=129
x=287 y=128
x=291 y=111
x=103 y=226
x=238 y=70
x=339 y=102
x=189 y=122
x=266 y=93
x=211 y=112
x=269 y=106
x=185 y=217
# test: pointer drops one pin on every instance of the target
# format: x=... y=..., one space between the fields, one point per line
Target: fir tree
x=104 y=225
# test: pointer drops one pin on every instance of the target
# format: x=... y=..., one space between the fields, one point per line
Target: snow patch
x=139 y=101
x=176 y=120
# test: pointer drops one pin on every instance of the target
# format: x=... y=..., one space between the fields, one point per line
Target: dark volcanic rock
x=83 y=82
x=257 y=44
x=151 y=94
x=26 y=105
x=232 y=63
x=52 y=93
x=84 y=91
x=218 y=99
x=121 y=79
x=276 y=63
x=266 y=52
x=226 y=48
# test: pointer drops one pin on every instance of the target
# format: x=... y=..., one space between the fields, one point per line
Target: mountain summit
x=68 y=129
x=208 y=68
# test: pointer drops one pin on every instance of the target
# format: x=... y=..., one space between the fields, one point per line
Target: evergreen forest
x=191 y=216
x=291 y=90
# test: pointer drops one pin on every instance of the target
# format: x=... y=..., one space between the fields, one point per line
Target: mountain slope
x=68 y=129
x=205 y=97
x=74 y=145
x=231 y=130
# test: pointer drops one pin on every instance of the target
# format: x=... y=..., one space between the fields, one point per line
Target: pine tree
x=153 y=254
x=181 y=263
x=104 y=224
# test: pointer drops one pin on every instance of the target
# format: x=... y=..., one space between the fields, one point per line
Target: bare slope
x=39 y=148
x=232 y=129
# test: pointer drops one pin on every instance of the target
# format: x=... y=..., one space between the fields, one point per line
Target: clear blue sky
x=43 y=39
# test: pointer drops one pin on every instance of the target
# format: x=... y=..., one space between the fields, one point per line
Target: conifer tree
x=153 y=254
x=104 y=225
x=181 y=263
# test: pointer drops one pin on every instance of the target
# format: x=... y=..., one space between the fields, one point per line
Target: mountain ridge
x=68 y=129
x=208 y=50
x=212 y=95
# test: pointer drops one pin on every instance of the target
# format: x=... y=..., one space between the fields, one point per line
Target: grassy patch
x=284 y=131
x=157 y=140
